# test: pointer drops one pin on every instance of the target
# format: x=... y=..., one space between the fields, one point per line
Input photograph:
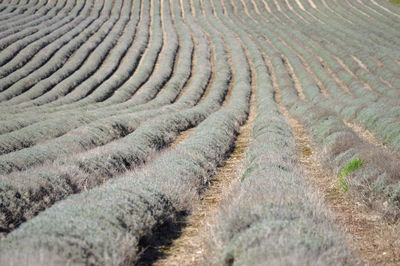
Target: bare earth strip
x=190 y=247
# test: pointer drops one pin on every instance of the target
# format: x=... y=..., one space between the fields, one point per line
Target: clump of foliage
x=348 y=169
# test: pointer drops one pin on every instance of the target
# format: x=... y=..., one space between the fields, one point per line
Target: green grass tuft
x=346 y=170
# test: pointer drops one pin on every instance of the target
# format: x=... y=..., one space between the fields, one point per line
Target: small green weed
x=346 y=170
x=343 y=184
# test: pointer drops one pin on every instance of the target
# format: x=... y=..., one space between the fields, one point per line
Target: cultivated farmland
x=187 y=132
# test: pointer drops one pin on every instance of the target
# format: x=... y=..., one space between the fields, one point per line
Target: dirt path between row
x=189 y=248
x=370 y=237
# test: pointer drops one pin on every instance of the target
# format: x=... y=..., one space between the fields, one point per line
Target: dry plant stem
x=190 y=247
x=371 y=238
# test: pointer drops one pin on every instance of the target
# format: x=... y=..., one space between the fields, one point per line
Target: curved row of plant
x=375 y=184
x=382 y=25
x=34 y=15
x=362 y=110
x=95 y=43
x=341 y=33
x=346 y=52
x=41 y=131
x=161 y=71
x=385 y=8
x=49 y=60
x=377 y=33
x=184 y=69
x=57 y=127
x=48 y=12
x=142 y=81
x=377 y=114
x=29 y=14
x=48 y=129
x=21 y=57
x=122 y=53
x=126 y=82
x=146 y=68
x=105 y=24
x=100 y=53
x=378 y=30
x=22 y=200
x=30 y=118
x=373 y=50
x=23 y=9
x=24 y=49
x=273 y=200
x=348 y=32
x=368 y=110
x=106 y=72
x=379 y=11
x=101 y=64
x=151 y=79
x=134 y=206
x=9 y=9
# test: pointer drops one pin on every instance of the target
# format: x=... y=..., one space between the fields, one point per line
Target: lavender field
x=199 y=132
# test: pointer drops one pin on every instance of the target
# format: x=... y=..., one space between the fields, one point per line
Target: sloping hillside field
x=190 y=132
